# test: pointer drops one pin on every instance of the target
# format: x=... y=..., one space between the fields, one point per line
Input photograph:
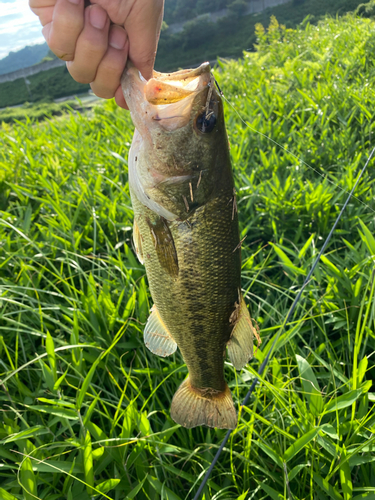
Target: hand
x=96 y=51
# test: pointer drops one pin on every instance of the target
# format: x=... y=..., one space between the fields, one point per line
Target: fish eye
x=206 y=123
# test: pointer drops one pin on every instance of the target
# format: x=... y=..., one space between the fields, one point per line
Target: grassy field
x=30 y=112
x=36 y=111
x=84 y=405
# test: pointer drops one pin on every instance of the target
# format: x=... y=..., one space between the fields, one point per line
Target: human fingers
x=120 y=99
x=62 y=32
x=43 y=9
x=91 y=45
x=107 y=79
x=143 y=29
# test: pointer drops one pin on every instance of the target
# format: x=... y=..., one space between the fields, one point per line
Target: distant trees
x=366 y=9
x=238 y=7
x=197 y=32
x=210 y=5
x=181 y=10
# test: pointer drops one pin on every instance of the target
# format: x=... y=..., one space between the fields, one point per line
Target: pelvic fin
x=157 y=337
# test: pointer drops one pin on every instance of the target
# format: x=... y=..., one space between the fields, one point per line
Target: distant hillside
x=32 y=54
x=176 y=11
x=203 y=40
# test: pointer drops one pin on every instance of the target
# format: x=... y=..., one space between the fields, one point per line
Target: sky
x=18 y=26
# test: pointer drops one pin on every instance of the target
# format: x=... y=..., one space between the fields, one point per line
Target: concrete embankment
x=31 y=70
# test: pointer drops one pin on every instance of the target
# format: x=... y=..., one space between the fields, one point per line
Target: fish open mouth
x=167 y=98
x=168 y=88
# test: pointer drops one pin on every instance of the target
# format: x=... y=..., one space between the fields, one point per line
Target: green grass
x=84 y=405
x=36 y=111
x=31 y=112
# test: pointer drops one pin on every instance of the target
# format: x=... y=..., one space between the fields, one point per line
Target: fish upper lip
x=183 y=74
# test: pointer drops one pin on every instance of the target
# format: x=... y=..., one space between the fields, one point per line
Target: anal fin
x=137 y=240
x=240 y=344
x=157 y=337
x=192 y=407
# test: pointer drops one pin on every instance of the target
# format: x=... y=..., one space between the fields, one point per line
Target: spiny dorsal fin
x=137 y=240
x=192 y=406
x=157 y=337
x=240 y=344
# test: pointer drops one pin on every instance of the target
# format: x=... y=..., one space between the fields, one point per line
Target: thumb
x=143 y=28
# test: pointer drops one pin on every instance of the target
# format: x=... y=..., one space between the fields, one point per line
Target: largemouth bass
x=186 y=234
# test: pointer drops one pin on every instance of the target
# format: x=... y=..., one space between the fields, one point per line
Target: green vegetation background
x=84 y=405
x=43 y=87
x=203 y=40
x=200 y=40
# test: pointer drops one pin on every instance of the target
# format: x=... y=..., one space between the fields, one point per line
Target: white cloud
x=18 y=26
x=9 y=17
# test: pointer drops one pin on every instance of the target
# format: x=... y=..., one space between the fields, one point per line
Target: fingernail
x=76 y=2
x=117 y=38
x=98 y=17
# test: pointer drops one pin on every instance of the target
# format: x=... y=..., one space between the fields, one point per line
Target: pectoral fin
x=240 y=345
x=164 y=245
x=137 y=240
x=157 y=337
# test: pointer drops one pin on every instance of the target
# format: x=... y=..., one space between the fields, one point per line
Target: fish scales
x=186 y=234
x=206 y=286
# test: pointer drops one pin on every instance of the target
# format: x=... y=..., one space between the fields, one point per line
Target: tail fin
x=192 y=407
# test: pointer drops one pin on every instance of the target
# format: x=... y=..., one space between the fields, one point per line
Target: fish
x=186 y=234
